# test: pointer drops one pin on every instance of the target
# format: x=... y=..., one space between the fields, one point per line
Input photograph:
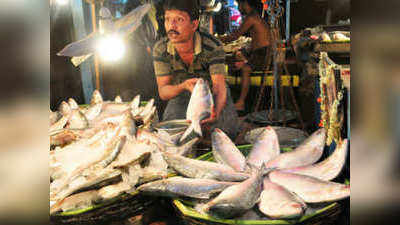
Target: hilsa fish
x=236 y=199
x=226 y=152
x=310 y=189
x=327 y=169
x=306 y=154
x=200 y=107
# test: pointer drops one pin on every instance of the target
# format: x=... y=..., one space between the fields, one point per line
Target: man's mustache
x=173 y=32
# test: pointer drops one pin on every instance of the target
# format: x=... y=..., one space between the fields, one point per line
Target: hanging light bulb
x=218 y=7
x=111 y=48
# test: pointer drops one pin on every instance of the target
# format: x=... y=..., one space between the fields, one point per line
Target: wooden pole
x=96 y=60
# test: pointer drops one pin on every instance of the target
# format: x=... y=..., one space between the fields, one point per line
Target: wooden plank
x=80 y=32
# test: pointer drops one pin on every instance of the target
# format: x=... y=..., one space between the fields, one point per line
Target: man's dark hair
x=189 y=6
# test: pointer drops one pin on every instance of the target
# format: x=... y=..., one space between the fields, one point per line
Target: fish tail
x=194 y=127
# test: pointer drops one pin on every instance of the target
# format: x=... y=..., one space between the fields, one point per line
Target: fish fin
x=194 y=127
x=202 y=208
x=185 y=148
x=266 y=170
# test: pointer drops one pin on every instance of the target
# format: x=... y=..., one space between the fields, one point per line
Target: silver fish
x=310 y=189
x=118 y=99
x=54 y=117
x=236 y=199
x=202 y=169
x=133 y=152
x=200 y=107
x=73 y=104
x=279 y=203
x=135 y=106
x=93 y=111
x=60 y=124
x=64 y=109
x=184 y=187
x=86 y=178
x=265 y=148
x=327 y=169
x=166 y=145
x=113 y=190
x=147 y=108
x=306 y=154
x=114 y=153
x=77 y=120
x=226 y=152
x=96 y=98
x=77 y=201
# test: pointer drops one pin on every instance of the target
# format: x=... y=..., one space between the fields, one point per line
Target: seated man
x=186 y=55
x=260 y=34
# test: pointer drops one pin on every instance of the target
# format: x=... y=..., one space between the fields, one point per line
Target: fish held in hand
x=200 y=107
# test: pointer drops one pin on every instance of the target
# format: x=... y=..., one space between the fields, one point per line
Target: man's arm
x=244 y=27
x=219 y=90
x=168 y=91
x=163 y=72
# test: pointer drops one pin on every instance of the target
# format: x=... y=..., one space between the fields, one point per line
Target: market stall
x=115 y=159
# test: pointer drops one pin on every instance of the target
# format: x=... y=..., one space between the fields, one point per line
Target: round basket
x=326 y=214
x=124 y=206
x=316 y=214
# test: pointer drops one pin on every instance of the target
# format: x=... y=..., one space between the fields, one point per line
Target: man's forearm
x=220 y=98
x=168 y=92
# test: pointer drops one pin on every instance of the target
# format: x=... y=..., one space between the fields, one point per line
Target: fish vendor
x=185 y=55
x=260 y=45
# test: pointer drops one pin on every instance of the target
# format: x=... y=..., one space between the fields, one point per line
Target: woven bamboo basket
x=119 y=208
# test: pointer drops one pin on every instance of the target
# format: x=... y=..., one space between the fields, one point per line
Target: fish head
x=73 y=104
x=96 y=97
x=65 y=108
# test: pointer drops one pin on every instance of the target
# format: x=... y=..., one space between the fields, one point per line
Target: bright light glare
x=62 y=2
x=219 y=6
x=111 y=48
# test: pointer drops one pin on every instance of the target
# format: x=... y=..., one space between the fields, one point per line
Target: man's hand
x=189 y=84
x=213 y=117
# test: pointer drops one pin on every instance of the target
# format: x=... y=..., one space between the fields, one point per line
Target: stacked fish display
x=279 y=185
x=103 y=150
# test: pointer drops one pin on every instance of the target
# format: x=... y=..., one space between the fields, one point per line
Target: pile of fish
x=279 y=184
x=105 y=149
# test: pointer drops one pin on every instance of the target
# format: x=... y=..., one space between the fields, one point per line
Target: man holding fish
x=187 y=58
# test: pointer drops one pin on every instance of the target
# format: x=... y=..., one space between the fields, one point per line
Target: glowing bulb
x=219 y=6
x=111 y=48
x=62 y=2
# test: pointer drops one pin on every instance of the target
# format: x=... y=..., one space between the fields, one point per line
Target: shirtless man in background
x=260 y=35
